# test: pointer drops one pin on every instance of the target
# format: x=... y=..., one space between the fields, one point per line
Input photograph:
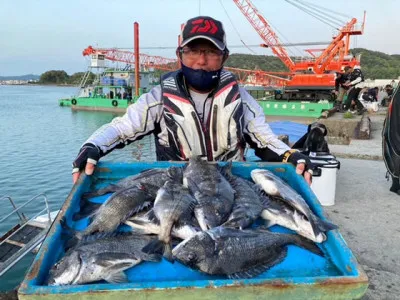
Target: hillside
x=373 y=63
x=21 y=77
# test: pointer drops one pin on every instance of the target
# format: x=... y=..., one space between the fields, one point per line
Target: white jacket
x=141 y=118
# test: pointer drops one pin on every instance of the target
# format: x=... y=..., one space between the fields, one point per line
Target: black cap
x=204 y=28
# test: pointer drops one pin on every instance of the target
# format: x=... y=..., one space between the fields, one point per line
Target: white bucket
x=324 y=179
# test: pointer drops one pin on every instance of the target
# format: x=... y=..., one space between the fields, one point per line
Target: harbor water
x=38 y=142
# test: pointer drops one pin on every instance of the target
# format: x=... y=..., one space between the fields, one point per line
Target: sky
x=41 y=35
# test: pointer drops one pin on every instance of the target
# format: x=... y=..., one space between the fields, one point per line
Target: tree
x=54 y=77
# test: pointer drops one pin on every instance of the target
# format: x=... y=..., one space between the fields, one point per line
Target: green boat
x=275 y=106
x=112 y=90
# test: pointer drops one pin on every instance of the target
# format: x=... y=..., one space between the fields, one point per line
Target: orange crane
x=245 y=77
x=114 y=54
x=312 y=78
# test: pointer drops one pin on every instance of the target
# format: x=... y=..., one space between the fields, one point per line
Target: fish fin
x=305 y=243
x=269 y=223
x=136 y=210
x=263 y=228
x=112 y=188
x=115 y=260
x=71 y=236
x=193 y=187
x=119 y=277
x=66 y=228
x=154 y=247
x=87 y=210
x=226 y=170
x=168 y=253
x=240 y=222
x=273 y=260
x=137 y=227
x=155 y=257
x=175 y=173
x=152 y=217
x=323 y=225
x=101 y=235
x=265 y=200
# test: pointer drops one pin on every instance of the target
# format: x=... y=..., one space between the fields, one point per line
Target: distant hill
x=373 y=63
x=21 y=77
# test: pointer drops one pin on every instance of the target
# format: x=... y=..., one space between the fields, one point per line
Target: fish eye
x=191 y=256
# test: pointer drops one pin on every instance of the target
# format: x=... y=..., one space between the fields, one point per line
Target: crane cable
x=284 y=38
x=308 y=11
x=332 y=18
x=237 y=32
x=326 y=9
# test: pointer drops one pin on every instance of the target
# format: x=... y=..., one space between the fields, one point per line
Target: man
x=355 y=78
x=199 y=110
x=340 y=89
x=391 y=142
x=370 y=94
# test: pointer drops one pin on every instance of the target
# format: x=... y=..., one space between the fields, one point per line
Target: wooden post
x=136 y=49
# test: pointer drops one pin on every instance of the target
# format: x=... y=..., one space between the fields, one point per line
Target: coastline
x=40 y=84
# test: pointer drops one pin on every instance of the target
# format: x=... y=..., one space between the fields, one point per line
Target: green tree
x=76 y=78
x=54 y=77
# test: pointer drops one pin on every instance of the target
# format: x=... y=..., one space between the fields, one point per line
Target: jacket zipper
x=200 y=131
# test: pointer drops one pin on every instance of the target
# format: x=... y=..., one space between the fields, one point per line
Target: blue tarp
x=294 y=130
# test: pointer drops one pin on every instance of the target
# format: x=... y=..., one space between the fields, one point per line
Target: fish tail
x=154 y=247
x=112 y=188
x=307 y=244
x=71 y=236
x=168 y=252
x=324 y=225
x=226 y=170
x=87 y=210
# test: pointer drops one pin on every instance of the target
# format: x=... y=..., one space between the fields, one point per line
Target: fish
x=173 y=202
x=278 y=188
x=247 y=205
x=119 y=207
x=102 y=257
x=213 y=193
x=236 y=253
x=277 y=212
x=156 y=177
x=148 y=223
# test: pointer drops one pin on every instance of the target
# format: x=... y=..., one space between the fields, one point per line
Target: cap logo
x=204 y=26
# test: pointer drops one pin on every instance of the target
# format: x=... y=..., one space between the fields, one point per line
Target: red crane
x=248 y=77
x=114 y=54
x=313 y=75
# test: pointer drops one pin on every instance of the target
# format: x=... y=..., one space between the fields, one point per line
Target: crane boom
x=114 y=54
x=265 y=31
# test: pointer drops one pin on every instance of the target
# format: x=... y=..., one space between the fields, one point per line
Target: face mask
x=201 y=80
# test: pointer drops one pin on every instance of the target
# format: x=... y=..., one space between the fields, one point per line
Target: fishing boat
x=113 y=89
x=28 y=232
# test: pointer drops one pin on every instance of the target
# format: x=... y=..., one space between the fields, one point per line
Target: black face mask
x=201 y=80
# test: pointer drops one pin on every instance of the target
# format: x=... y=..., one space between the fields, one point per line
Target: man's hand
x=301 y=162
x=86 y=160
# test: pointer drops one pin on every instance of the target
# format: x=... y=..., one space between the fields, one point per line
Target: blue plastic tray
x=302 y=275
